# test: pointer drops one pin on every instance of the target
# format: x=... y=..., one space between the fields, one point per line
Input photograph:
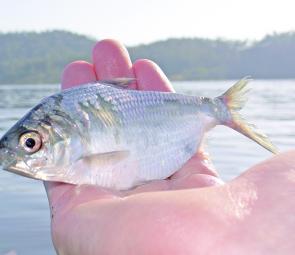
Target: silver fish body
x=113 y=137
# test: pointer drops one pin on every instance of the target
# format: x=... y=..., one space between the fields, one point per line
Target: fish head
x=35 y=146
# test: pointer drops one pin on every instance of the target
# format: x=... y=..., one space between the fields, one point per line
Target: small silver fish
x=104 y=134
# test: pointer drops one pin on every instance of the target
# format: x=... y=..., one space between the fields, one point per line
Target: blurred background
x=203 y=47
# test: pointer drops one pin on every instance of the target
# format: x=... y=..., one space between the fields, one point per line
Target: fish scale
x=146 y=127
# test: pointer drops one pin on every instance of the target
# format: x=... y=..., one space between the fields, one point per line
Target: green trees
x=39 y=57
x=31 y=57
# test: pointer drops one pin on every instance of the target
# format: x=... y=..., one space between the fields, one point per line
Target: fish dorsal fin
x=103 y=159
x=119 y=82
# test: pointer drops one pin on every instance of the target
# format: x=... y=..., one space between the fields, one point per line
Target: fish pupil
x=30 y=143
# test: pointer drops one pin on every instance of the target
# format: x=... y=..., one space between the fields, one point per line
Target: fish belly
x=163 y=148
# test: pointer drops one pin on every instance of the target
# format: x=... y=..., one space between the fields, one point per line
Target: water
x=24 y=212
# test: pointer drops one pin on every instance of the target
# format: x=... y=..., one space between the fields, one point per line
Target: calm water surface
x=24 y=212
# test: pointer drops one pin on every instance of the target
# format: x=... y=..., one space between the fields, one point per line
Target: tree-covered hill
x=30 y=57
x=192 y=58
x=39 y=57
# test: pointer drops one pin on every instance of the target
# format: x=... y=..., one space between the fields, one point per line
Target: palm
x=236 y=218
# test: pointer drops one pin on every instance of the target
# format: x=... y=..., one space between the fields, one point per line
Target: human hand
x=254 y=214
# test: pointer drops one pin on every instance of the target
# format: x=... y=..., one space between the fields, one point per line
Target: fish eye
x=30 y=141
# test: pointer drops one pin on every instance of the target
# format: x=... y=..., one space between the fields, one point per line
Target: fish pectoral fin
x=119 y=82
x=103 y=159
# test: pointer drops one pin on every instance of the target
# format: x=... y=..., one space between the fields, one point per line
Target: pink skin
x=253 y=214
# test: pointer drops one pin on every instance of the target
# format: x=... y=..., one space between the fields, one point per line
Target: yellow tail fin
x=234 y=99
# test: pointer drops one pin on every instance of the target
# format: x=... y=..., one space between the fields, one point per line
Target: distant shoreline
x=29 y=57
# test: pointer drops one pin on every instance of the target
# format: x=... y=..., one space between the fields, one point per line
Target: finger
x=198 y=172
x=200 y=163
x=195 y=181
x=77 y=73
x=111 y=60
x=149 y=76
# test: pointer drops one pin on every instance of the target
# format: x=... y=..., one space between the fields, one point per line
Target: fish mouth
x=20 y=171
x=12 y=167
x=8 y=162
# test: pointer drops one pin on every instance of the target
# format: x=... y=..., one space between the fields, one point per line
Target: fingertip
x=149 y=76
x=111 y=60
x=77 y=73
x=108 y=46
x=195 y=181
x=200 y=163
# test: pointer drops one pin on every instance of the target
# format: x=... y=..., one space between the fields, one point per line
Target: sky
x=138 y=21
